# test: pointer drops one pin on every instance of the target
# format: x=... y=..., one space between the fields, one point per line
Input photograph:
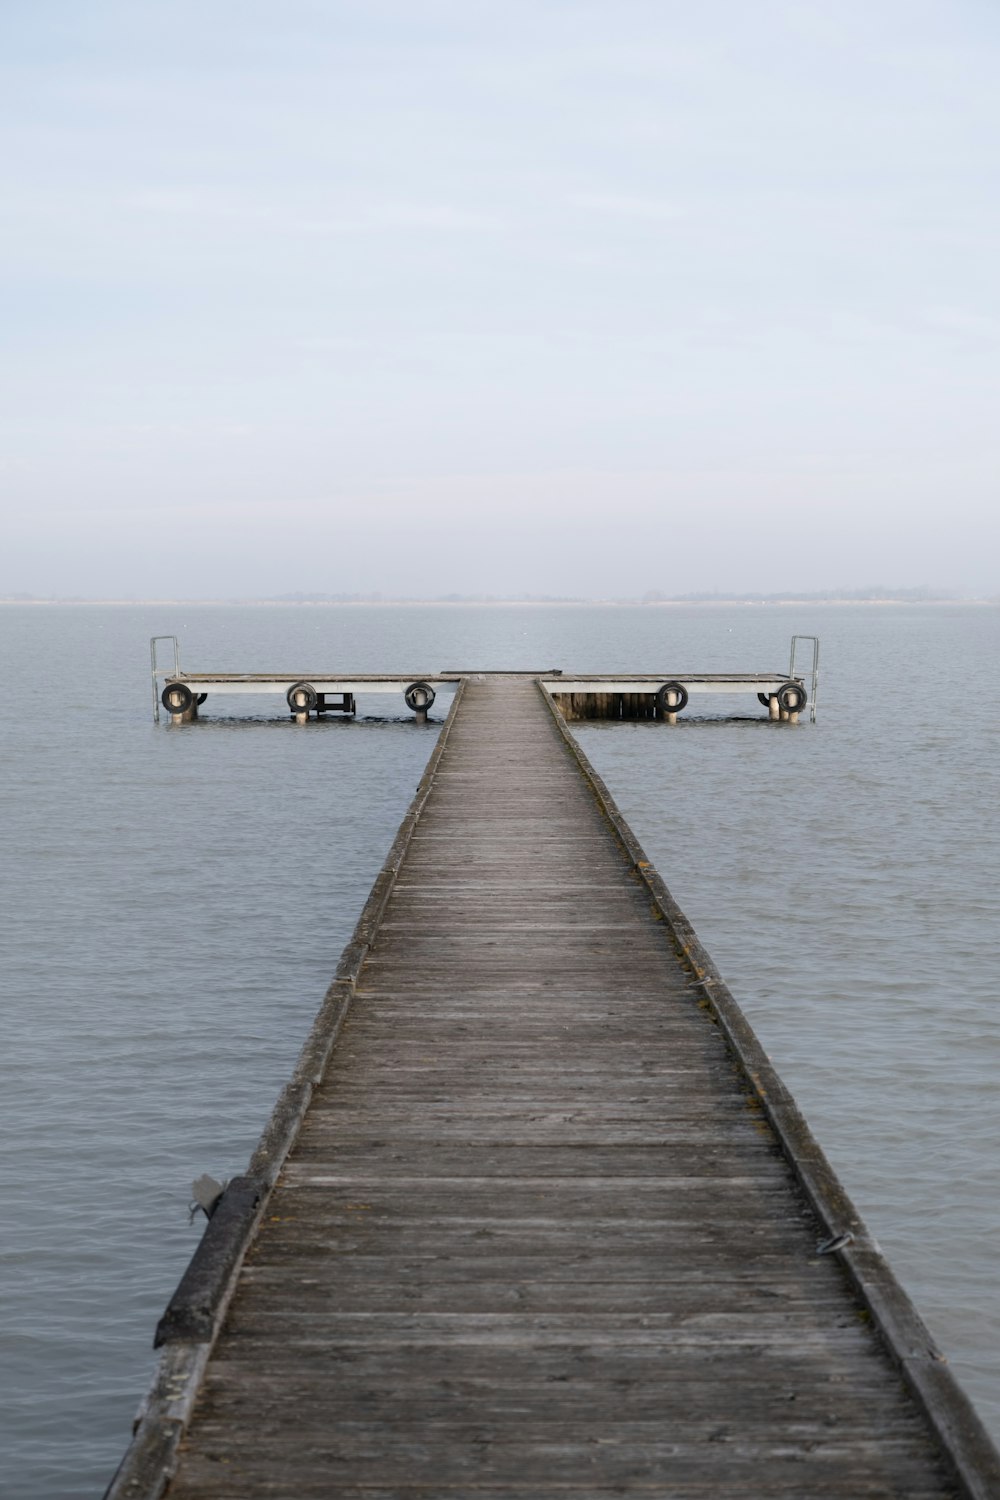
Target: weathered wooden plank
x=322 y=1486
x=796 y=1467
x=346 y=1134
x=218 y=1488
x=760 y=1280
x=607 y=1376
x=379 y=1159
x=679 y=1403
x=402 y=1284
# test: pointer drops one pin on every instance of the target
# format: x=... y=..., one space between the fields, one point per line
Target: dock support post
x=772 y=707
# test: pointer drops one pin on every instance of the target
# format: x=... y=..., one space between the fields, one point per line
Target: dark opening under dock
x=547 y=1224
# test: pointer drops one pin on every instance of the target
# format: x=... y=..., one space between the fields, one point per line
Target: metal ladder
x=157 y=670
x=815 y=669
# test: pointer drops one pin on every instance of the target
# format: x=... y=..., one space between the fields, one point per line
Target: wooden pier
x=534 y=1216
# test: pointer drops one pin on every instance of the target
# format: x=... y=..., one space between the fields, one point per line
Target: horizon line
x=840 y=598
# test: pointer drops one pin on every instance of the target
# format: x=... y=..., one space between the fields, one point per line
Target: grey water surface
x=174 y=901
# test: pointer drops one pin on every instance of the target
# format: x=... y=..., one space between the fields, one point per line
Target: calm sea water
x=174 y=901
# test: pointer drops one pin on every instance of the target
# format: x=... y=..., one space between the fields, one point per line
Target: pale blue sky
x=452 y=296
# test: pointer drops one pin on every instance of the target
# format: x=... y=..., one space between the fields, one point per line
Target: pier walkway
x=539 y=1234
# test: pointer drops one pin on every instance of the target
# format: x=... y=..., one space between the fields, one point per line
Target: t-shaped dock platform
x=535 y=1217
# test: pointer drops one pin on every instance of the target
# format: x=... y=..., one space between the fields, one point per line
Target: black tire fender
x=679 y=691
x=419 y=695
x=177 y=698
x=792 y=697
x=304 y=691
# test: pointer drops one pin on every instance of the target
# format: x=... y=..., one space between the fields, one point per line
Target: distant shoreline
x=746 y=603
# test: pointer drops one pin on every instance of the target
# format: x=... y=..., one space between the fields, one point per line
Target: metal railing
x=156 y=669
x=815 y=669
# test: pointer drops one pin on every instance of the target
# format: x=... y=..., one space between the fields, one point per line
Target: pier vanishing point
x=534 y=1216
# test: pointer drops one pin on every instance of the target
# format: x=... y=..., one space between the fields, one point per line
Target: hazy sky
x=439 y=295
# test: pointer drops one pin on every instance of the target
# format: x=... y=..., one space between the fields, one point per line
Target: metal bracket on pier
x=346 y=705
